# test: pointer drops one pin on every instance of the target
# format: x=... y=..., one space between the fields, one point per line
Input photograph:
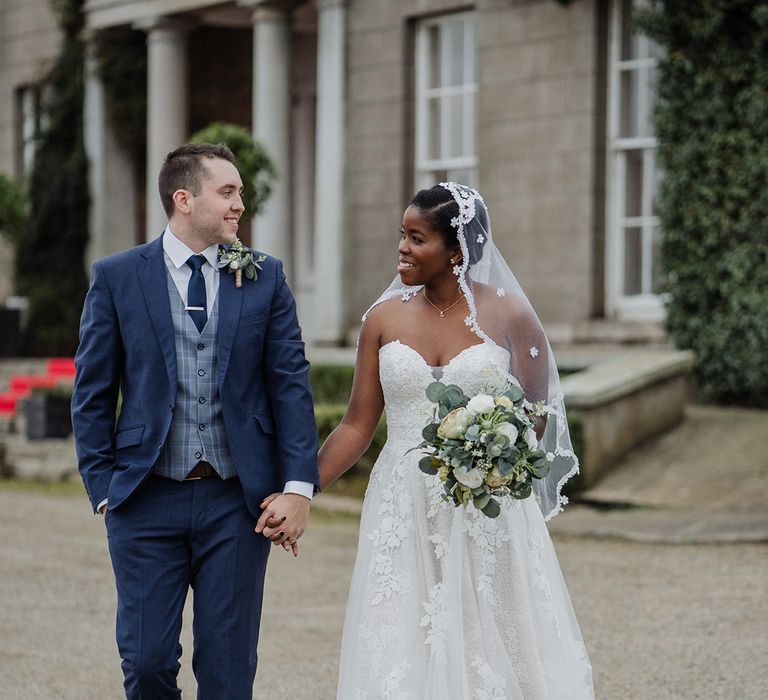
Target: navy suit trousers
x=170 y=536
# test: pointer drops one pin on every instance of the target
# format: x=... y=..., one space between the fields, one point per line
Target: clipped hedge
x=712 y=125
x=354 y=482
x=256 y=168
x=331 y=383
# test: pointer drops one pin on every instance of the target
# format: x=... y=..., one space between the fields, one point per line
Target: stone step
x=20 y=366
x=52 y=459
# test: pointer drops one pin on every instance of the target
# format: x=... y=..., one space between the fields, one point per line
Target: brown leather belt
x=200 y=471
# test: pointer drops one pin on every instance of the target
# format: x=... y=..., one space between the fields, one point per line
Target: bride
x=446 y=603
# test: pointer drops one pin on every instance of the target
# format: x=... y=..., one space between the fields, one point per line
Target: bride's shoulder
x=379 y=320
x=500 y=298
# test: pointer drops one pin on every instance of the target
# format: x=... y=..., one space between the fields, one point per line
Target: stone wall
x=537 y=73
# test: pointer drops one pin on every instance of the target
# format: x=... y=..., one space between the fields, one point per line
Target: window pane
x=469 y=52
x=633 y=189
x=649 y=75
x=656 y=271
x=433 y=43
x=463 y=175
x=469 y=125
x=633 y=260
x=628 y=103
x=454 y=126
x=629 y=39
x=433 y=128
x=453 y=54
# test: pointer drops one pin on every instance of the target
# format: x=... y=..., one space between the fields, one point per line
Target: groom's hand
x=284 y=519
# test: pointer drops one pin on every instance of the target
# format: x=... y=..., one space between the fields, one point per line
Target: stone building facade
x=543 y=106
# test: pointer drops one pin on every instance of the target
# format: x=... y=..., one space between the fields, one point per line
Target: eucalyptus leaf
x=430 y=432
x=427 y=465
x=492 y=508
x=452 y=396
x=433 y=391
x=481 y=502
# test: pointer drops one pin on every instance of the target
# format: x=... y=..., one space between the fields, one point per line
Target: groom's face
x=216 y=210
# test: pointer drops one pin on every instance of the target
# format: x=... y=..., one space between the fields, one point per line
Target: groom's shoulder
x=125 y=258
x=269 y=264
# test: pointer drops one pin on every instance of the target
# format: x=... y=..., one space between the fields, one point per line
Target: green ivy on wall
x=50 y=260
x=121 y=57
x=712 y=127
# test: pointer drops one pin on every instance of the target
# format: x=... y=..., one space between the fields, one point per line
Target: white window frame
x=645 y=306
x=425 y=168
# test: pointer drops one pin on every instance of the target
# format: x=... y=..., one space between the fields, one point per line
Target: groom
x=210 y=387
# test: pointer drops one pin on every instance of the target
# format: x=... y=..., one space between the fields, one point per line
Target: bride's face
x=422 y=254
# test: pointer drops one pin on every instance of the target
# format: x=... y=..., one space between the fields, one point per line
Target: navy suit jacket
x=127 y=349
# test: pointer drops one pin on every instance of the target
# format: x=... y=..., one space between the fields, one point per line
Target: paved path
x=660 y=621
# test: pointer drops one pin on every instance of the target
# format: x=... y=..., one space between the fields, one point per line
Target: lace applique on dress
x=493 y=684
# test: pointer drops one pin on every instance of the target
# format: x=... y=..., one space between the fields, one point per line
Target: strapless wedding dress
x=445 y=603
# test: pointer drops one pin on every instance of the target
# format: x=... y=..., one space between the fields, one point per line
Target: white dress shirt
x=176 y=254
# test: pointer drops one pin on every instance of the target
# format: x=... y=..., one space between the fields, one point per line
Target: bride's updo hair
x=438 y=207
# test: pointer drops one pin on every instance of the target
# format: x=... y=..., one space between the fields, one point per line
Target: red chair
x=8 y=404
x=63 y=367
x=27 y=382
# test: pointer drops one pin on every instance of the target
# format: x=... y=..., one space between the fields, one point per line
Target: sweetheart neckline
x=397 y=341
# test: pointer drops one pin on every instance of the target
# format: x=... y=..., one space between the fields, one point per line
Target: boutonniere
x=239 y=259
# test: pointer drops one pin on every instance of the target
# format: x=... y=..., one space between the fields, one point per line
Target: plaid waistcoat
x=197 y=429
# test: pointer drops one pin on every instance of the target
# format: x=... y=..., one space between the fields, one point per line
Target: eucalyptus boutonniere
x=239 y=259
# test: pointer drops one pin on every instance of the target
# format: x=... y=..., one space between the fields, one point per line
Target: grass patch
x=55 y=488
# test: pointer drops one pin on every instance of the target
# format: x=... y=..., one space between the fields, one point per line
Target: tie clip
x=194 y=308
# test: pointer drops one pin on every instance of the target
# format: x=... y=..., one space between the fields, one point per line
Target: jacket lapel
x=154 y=287
x=230 y=303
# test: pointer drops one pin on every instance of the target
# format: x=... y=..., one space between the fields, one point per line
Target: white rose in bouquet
x=471 y=479
x=482 y=403
x=531 y=439
x=454 y=425
x=508 y=431
x=505 y=402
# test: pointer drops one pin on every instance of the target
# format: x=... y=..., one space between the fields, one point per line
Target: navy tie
x=196 y=302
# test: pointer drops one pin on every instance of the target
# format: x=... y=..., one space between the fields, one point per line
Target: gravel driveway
x=660 y=621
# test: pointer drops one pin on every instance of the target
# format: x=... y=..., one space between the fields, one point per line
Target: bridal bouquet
x=483 y=448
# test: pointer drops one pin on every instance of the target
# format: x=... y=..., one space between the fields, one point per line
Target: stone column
x=112 y=215
x=271 y=122
x=94 y=138
x=167 y=98
x=328 y=317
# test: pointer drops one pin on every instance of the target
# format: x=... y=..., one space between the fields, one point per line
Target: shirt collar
x=179 y=252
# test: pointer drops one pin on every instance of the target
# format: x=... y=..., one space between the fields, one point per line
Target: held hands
x=284 y=519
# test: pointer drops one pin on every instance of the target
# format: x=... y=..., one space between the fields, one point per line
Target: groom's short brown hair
x=184 y=169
